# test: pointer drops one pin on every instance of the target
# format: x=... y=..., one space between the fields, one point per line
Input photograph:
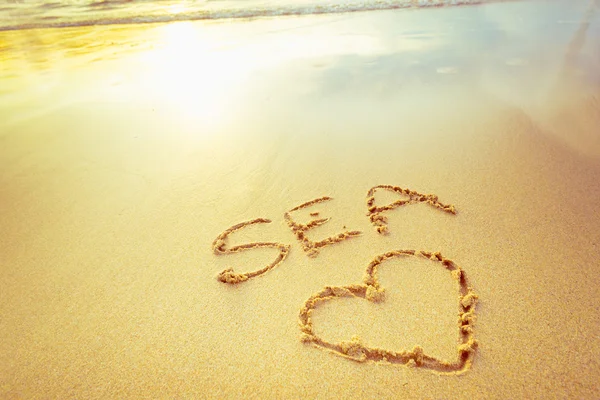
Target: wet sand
x=420 y=190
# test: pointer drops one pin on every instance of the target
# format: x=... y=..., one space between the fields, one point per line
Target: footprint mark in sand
x=380 y=221
x=371 y=290
x=310 y=247
x=219 y=247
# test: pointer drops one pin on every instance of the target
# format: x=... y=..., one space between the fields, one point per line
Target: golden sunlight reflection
x=201 y=69
x=177 y=8
x=187 y=72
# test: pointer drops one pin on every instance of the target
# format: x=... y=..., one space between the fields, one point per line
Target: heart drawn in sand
x=371 y=290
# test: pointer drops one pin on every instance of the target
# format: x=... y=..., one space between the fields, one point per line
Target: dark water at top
x=28 y=14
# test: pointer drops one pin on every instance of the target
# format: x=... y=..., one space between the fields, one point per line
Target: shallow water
x=20 y=14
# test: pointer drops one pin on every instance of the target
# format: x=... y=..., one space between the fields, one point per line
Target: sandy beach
x=130 y=154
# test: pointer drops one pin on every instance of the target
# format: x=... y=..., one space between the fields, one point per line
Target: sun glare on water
x=203 y=69
x=187 y=72
x=177 y=8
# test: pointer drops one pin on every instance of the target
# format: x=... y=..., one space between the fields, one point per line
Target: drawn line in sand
x=380 y=221
x=310 y=247
x=371 y=290
x=219 y=247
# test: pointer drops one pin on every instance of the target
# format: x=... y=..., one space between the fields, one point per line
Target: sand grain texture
x=126 y=150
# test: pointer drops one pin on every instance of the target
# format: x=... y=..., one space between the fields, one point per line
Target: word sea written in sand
x=369 y=289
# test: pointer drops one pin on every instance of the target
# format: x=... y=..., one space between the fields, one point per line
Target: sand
x=130 y=155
